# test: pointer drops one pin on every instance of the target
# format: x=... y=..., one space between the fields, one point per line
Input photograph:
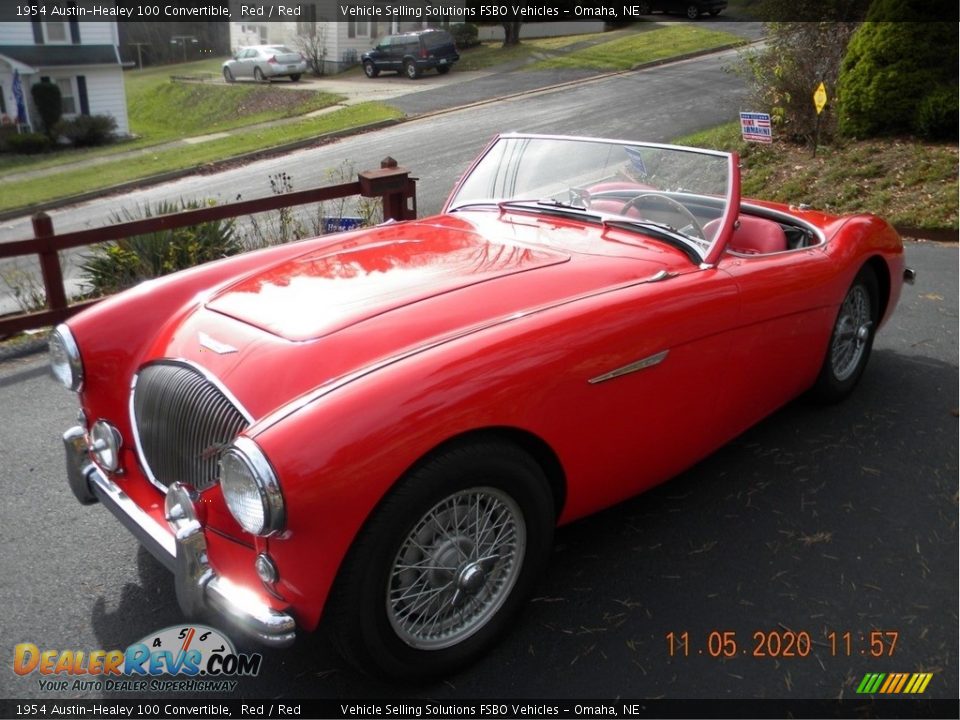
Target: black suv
x=411 y=53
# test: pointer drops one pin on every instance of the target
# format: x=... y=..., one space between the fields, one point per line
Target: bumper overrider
x=184 y=552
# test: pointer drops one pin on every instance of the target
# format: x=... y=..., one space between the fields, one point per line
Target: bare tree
x=313 y=45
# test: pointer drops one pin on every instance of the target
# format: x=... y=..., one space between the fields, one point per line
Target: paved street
x=819 y=519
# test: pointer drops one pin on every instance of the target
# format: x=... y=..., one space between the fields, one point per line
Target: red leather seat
x=752 y=236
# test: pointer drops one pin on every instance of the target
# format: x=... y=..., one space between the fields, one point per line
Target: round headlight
x=250 y=488
x=105 y=445
x=65 y=361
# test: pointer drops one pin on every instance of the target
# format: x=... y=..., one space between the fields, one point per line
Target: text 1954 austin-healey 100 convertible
x=380 y=429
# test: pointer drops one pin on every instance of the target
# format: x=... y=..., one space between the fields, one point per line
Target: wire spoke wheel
x=455 y=568
x=852 y=333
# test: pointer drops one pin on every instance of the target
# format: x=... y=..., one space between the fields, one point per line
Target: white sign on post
x=755 y=127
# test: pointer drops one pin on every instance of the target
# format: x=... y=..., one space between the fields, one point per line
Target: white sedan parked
x=264 y=62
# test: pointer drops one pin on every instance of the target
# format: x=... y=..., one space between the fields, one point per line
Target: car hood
x=329 y=289
x=351 y=301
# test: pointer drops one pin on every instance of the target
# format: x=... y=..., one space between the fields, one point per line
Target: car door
x=246 y=62
x=785 y=325
x=380 y=54
x=642 y=395
x=391 y=50
x=409 y=49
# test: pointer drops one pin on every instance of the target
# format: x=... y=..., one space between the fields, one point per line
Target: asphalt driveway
x=818 y=520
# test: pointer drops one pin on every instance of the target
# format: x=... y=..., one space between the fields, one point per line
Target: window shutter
x=74 y=26
x=37 y=32
x=82 y=92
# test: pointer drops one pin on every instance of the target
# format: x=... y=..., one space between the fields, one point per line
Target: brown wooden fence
x=391 y=183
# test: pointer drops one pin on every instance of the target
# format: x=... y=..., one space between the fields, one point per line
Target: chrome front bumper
x=185 y=553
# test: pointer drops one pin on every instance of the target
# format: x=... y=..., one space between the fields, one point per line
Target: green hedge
x=900 y=74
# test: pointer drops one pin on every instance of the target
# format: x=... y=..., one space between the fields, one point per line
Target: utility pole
x=139 y=53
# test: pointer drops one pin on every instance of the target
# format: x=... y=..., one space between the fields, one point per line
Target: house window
x=259 y=30
x=68 y=96
x=357 y=29
x=3 y=102
x=55 y=32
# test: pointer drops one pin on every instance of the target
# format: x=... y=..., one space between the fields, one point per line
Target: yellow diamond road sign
x=820 y=98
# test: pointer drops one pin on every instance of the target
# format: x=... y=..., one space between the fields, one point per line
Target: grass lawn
x=620 y=52
x=625 y=52
x=493 y=53
x=71 y=182
x=161 y=110
x=908 y=182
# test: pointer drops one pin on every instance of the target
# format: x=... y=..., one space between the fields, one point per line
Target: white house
x=81 y=58
x=344 y=41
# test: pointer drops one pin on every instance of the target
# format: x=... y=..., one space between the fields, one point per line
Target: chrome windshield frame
x=708 y=256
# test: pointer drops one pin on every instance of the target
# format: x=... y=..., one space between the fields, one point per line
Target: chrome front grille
x=183 y=420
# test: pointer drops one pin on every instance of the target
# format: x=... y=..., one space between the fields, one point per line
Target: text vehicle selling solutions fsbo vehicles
x=380 y=429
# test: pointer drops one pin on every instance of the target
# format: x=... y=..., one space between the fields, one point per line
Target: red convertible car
x=380 y=429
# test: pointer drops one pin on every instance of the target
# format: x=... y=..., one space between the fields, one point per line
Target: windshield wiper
x=548 y=205
x=673 y=236
x=478 y=203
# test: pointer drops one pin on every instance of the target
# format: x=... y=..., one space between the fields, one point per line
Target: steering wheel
x=646 y=205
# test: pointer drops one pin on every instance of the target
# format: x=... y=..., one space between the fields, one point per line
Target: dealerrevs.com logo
x=202 y=658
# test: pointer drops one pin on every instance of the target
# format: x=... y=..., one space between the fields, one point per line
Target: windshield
x=681 y=195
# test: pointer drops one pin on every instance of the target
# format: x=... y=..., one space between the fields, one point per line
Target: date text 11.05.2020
x=783 y=643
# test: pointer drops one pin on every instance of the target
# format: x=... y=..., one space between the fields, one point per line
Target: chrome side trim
x=631 y=368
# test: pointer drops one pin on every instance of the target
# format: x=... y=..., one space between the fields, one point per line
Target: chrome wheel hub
x=851 y=334
x=456 y=568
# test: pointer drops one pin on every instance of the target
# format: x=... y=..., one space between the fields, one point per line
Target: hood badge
x=216 y=346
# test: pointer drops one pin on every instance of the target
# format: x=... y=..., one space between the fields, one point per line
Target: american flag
x=755 y=127
x=18 y=97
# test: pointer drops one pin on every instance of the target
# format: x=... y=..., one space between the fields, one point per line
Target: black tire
x=692 y=12
x=228 y=75
x=443 y=69
x=376 y=612
x=410 y=70
x=370 y=70
x=295 y=77
x=851 y=339
x=258 y=75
